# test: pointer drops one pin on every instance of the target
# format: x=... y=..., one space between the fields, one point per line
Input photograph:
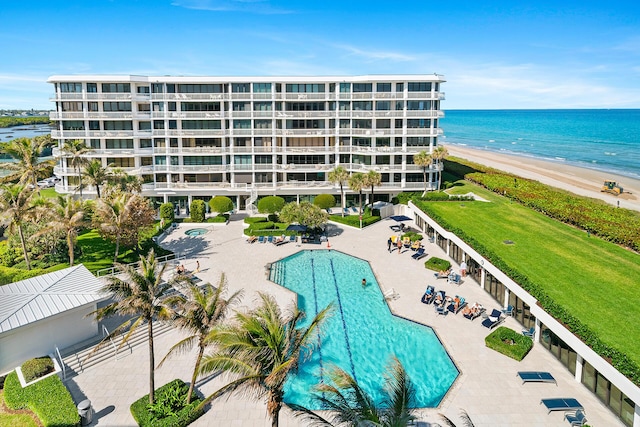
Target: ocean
x=605 y=140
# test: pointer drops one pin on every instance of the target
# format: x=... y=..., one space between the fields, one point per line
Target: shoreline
x=578 y=180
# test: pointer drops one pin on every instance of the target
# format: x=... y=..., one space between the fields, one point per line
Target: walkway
x=488 y=388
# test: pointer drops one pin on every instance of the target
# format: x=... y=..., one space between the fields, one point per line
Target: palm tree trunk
x=152 y=362
x=360 y=203
x=342 y=199
x=79 y=181
x=371 y=201
x=24 y=247
x=98 y=189
x=115 y=258
x=274 y=404
x=195 y=373
x=424 y=178
x=70 y=245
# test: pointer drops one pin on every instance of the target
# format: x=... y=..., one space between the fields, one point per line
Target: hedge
x=618 y=360
x=324 y=201
x=167 y=212
x=254 y=219
x=49 y=399
x=509 y=342
x=170 y=399
x=354 y=220
x=437 y=264
x=36 y=368
x=197 y=211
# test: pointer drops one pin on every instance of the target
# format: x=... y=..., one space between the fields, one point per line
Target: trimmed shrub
x=437 y=264
x=412 y=235
x=167 y=212
x=270 y=204
x=254 y=219
x=509 y=342
x=220 y=218
x=354 y=220
x=36 y=368
x=197 y=211
x=221 y=204
x=324 y=201
x=169 y=409
x=49 y=399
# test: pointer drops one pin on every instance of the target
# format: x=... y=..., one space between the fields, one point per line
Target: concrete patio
x=487 y=387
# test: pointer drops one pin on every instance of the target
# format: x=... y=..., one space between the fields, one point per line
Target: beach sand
x=582 y=181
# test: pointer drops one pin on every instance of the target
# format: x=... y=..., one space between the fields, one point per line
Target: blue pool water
x=361 y=335
x=195 y=232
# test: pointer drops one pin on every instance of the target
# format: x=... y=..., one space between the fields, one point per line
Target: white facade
x=245 y=137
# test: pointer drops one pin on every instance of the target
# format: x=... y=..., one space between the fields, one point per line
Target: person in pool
x=364 y=283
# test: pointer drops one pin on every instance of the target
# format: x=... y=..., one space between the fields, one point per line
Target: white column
x=578 y=376
x=636 y=417
x=506 y=297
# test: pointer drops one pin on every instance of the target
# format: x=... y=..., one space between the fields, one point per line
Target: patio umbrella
x=400 y=218
x=296 y=227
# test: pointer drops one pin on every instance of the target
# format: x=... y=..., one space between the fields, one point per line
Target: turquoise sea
x=606 y=140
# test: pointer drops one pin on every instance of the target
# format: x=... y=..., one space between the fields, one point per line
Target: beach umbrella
x=297 y=227
x=400 y=218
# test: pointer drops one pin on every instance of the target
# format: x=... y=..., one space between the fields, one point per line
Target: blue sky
x=497 y=54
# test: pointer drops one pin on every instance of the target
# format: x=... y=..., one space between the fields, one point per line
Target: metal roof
x=37 y=298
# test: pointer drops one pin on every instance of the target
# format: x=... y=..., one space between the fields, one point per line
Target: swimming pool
x=195 y=232
x=361 y=334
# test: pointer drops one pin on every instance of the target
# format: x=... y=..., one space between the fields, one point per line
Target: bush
x=10 y=274
x=220 y=218
x=221 y=204
x=412 y=235
x=509 y=342
x=437 y=264
x=263 y=226
x=270 y=204
x=169 y=408
x=49 y=399
x=354 y=220
x=197 y=211
x=37 y=367
x=324 y=201
x=254 y=219
x=167 y=212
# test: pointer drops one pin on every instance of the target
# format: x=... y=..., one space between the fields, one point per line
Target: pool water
x=361 y=335
x=195 y=232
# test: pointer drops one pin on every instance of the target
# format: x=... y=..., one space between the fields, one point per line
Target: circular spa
x=196 y=232
x=361 y=335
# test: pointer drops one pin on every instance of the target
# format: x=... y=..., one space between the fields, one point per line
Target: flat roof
x=244 y=79
x=40 y=297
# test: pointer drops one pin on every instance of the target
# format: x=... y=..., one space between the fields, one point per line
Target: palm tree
x=424 y=160
x=262 y=348
x=111 y=215
x=119 y=180
x=28 y=167
x=350 y=405
x=140 y=295
x=95 y=174
x=199 y=313
x=439 y=154
x=466 y=420
x=75 y=150
x=68 y=215
x=17 y=207
x=357 y=182
x=372 y=178
x=339 y=175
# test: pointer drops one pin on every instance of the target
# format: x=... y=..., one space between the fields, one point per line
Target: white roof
x=244 y=79
x=30 y=300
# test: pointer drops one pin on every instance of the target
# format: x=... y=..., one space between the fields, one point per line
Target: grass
x=11 y=419
x=509 y=342
x=593 y=279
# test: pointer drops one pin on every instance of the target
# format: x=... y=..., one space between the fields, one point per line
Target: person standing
x=399 y=246
x=197 y=266
x=389 y=242
x=463 y=269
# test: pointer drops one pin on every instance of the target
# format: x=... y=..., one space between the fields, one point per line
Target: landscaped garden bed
x=170 y=408
x=509 y=342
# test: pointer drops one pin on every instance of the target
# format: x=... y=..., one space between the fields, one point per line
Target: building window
x=71 y=106
x=95 y=144
x=116 y=106
x=305 y=88
x=158 y=124
x=119 y=144
x=399 y=105
x=144 y=126
x=143 y=89
x=242 y=124
x=92 y=106
x=263 y=124
x=122 y=162
x=345 y=87
x=202 y=160
x=418 y=105
x=383 y=123
x=145 y=143
x=344 y=106
x=362 y=87
x=362 y=123
x=70 y=87
x=262 y=87
x=116 y=87
x=201 y=124
x=73 y=125
x=94 y=125
x=92 y=87
x=383 y=105
x=262 y=106
x=199 y=106
x=240 y=87
x=398 y=124
x=418 y=123
x=419 y=86
x=399 y=87
x=362 y=105
x=383 y=87
x=157 y=88
x=198 y=88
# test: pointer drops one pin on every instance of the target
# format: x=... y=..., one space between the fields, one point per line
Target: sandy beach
x=582 y=181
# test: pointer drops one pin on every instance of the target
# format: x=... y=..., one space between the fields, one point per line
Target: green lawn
x=594 y=280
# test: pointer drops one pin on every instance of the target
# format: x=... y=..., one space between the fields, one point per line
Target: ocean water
x=605 y=140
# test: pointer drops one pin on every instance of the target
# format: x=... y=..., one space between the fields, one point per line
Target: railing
x=64 y=368
x=112 y=271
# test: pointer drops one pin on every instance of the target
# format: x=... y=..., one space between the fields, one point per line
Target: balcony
x=189 y=96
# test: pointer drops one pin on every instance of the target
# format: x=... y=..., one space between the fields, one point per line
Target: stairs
x=250 y=204
x=76 y=358
x=276 y=273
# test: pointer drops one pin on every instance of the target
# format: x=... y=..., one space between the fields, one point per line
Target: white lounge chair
x=391 y=294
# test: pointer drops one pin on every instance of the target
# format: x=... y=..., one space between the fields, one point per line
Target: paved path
x=487 y=387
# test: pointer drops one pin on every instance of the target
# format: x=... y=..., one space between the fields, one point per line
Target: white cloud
x=263 y=7
x=376 y=55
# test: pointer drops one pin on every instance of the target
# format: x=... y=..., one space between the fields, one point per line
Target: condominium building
x=246 y=137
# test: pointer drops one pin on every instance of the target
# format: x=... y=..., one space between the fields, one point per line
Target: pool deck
x=487 y=388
